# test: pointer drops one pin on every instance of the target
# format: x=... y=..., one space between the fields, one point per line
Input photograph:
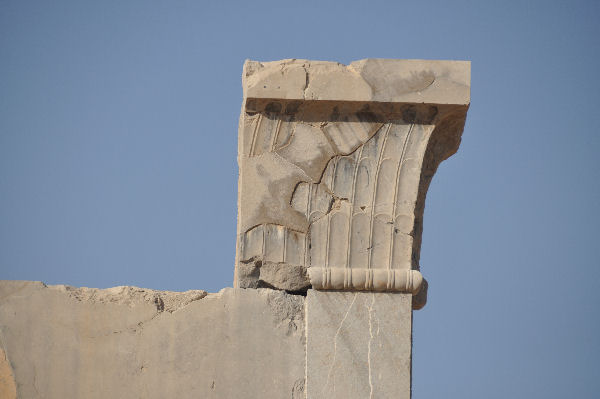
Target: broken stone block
x=334 y=166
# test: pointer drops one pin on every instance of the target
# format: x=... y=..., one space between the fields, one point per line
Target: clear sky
x=118 y=131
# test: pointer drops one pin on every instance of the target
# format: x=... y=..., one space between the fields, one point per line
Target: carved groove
x=273 y=243
x=270 y=132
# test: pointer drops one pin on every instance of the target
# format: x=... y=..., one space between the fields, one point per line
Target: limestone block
x=358 y=345
x=127 y=342
x=335 y=162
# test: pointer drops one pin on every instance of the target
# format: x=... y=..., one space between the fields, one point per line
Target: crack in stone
x=335 y=198
x=34 y=383
x=370 y=308
x=337 y=333
x=137 y=329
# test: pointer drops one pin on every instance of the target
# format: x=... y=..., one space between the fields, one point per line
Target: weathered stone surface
x=335 y=162
x=370 y=80
x=128 y=342
x=358 y=345
x=8 y=390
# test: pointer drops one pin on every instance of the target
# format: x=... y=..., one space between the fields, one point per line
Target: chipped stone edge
x=131 y=296
x=168 y=301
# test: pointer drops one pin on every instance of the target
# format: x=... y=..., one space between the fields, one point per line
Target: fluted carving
x=333 y=187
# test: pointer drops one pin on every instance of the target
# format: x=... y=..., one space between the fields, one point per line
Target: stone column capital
x=335 y=161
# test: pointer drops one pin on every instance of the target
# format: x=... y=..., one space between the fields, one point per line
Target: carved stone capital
x=335 y=162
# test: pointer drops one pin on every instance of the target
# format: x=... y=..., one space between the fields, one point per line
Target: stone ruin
x=334 y=166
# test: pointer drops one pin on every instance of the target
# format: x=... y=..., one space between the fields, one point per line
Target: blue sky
x=118 y=132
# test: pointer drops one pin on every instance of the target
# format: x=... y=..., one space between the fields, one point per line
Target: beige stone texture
x=358 y=345
x=369 y=80
x=335 y=162
x=127 y=342
x=8 y=390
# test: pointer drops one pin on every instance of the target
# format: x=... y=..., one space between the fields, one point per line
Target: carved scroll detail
x=338 y=278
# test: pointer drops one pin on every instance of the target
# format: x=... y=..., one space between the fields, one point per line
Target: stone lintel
x=368 y=80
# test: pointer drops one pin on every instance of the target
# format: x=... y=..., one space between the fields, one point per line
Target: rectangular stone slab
x=358 y=345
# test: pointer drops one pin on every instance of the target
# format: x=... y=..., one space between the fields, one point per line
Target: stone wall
x=127 y=342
